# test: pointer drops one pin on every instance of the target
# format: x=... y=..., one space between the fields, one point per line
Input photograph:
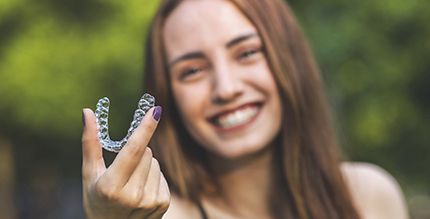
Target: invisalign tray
x=102 y=114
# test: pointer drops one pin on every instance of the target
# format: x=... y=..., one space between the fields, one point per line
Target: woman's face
x=221 y=82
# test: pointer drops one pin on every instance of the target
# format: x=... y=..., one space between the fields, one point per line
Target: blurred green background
x=58 y=56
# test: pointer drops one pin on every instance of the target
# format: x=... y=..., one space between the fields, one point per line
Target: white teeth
x=237 y=117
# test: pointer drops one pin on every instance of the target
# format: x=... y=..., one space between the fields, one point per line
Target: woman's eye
x=248 y=53
x=189 y=72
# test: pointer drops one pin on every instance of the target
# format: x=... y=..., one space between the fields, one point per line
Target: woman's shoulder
x=375 y=192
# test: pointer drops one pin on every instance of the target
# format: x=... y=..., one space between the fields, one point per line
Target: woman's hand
x=133 y=185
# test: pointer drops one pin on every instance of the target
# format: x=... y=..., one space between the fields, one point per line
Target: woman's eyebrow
x=187 y=56
x=240 y=38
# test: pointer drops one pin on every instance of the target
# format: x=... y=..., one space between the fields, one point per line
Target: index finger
x=130 y=155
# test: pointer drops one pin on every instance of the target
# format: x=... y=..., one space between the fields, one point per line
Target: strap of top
x=202 y=211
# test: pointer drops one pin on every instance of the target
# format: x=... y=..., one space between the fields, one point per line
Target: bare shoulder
x=375 y=192
x=181 y=208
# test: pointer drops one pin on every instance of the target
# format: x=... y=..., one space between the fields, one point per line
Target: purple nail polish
x=83 y=118
x=156 y=114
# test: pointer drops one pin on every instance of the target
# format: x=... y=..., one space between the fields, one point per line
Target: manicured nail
x=156 y=114
x=83 y=118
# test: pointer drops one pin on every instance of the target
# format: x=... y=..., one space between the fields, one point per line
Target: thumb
x=92 y=155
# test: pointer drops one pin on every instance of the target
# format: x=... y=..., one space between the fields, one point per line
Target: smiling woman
x=221 y=83
x=246 y=129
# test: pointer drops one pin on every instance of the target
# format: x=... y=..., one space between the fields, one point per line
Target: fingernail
x=156 y=114
x=83 y=118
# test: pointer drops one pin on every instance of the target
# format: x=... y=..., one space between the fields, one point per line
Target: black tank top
x=202 y=211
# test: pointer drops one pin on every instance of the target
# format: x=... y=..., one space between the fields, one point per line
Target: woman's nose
x=227 y=85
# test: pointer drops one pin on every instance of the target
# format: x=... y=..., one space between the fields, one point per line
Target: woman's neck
x=245 y=184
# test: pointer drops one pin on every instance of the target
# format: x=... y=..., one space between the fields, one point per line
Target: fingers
x=155 y=199
x=140 y=174
x=129 y=157
x=152 y=185
x=92 y=162
x=163 y=196
x=160 y=201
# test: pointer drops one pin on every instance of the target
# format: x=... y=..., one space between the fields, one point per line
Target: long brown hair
x=308 y=163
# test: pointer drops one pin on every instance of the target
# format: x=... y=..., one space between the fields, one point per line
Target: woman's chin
x=234 y=152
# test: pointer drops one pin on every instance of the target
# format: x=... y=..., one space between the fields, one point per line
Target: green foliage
x=373 y=55
x=58 y=57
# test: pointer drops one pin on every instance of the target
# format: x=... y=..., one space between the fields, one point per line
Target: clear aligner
x=102 y=113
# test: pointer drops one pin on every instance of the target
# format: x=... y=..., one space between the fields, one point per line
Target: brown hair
x=306 y=154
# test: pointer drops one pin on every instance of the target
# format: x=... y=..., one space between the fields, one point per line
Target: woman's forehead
x=195 y=25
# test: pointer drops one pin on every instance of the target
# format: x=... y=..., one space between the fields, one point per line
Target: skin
x=375 y=192
x=219 y=75
x=217 y=70
x=132 y=186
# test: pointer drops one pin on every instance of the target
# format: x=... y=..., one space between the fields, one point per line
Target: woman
x=245 y=131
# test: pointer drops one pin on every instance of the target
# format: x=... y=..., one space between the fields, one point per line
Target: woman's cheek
x=190 y=99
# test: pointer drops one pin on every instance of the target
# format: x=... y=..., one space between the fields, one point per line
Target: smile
x=236 y=118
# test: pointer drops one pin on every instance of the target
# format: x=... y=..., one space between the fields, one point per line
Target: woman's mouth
x=236 y=118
